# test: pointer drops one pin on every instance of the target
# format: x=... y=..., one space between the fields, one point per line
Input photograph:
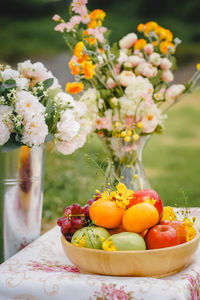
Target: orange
x=140 y=217
x=117 y=230
x=106 y=213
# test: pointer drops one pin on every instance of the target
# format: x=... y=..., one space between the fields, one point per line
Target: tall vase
x=125 y=162
x=21 y=197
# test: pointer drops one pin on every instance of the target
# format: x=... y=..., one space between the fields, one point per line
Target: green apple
x=125 y=241
x=90 y=237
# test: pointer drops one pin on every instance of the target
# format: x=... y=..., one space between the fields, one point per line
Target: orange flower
x=155 y=43
x=93 y=24
x=88 y=69
x=75 y=69
x=164 y=34
x=97 y=14
x=74 y=87
x=139 y=44
x=91 y=40
x=150 y=26
x=78 y=49
x=84 y=57
x=167 y=47
x=141 y=27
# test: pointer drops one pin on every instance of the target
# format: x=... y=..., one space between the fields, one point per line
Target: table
x=41 y=271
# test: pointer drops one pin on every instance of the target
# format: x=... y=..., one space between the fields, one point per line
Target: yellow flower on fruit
x=88 y=69
x=169 y=214
x=74 y=87
x=191 y=231
x=106 y=195
x=97 y=14
x=108 y=246
x=140 y=44
x=78 y=49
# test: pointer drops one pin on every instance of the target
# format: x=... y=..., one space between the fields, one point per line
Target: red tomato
x=161 y=236
x=146 y=195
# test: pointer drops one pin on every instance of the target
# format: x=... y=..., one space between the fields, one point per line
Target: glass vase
x=21 y=197
x=125 y=162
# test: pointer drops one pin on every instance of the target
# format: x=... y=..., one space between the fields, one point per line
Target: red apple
x=161 y=236
x=146 y=195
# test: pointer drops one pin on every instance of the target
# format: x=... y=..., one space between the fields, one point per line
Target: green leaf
x=47 y=83
x=104 y=93
x=49 y=138
x=115 y=51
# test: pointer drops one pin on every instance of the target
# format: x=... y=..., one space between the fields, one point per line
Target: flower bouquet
x=34 y=110
x=126 y=86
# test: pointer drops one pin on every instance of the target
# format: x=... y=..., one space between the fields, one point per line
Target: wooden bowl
x=154 y=263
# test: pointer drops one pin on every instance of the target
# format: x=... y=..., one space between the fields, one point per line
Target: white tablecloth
x=41 y=271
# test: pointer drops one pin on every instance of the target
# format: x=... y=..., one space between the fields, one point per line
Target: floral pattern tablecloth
x=41 y=271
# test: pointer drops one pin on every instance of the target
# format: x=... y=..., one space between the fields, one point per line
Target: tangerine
x=106 y=213
x=140 y=217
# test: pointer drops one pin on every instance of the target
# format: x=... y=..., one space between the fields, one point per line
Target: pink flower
x=167 y=76
x=56 y=18
x=103 y=123
x=75 y=20
x=128 y=41
x=148 y=49
x=61 y=27
x=117 y=68
x=129 y=121
x=85 y=19
x=174 y=91
x=146 y=69
x=148 y=99
x=126 y=78
x=111 y=83
x=96 y=32
x=165 y=64
x=155 y=59
x=77 y=6
x=134 y=60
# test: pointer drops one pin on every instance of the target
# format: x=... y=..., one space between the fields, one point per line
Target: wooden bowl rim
x=68 y=244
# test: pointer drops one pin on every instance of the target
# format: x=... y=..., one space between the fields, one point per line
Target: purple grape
x=86 y=209
x=91 y=201
x=76 y=209
x=72 y=230
x=60 y=221
x=97 y=196
x=66 y=225
x=78 y=223
x=67 y=211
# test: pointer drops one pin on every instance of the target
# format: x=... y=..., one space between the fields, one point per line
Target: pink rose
x=167 y=76
x=174 y=91
x=165 y=64
x=148 y=49
x=128 y=41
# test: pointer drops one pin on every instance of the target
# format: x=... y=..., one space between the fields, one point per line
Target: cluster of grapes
x=75 y=217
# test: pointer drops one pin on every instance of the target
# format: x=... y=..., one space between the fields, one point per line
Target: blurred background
x=172 y=160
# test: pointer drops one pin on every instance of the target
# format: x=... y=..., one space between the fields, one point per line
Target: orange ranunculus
x=97 y=14
x=167 y=47
x=88 y=69
x=78 y=49
x=84 y=57
x=141 y=27
x=74 y=87
x=91 y=40
x=93 y=24
x=140 y=44
x=150 y=26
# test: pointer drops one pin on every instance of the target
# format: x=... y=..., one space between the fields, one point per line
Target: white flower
x=174 y=91
x=63 y=99
x=160 y=94
x=80 y=109
x=28 y=105
x=70 y=146
x=68 y=127
x=138 y=88
x=34 y=131
x=5 y=114
x=4 y=132
x=134 y=60
x=126 y=78
x=114 y=101
x=128 y=40
x=90 y=98
x=22 y=83
x=123 y=57
x=9 y=74
x=127 y=106
x=155 y=59
x=167 y=76
x=150 y=116
x=165 y=64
